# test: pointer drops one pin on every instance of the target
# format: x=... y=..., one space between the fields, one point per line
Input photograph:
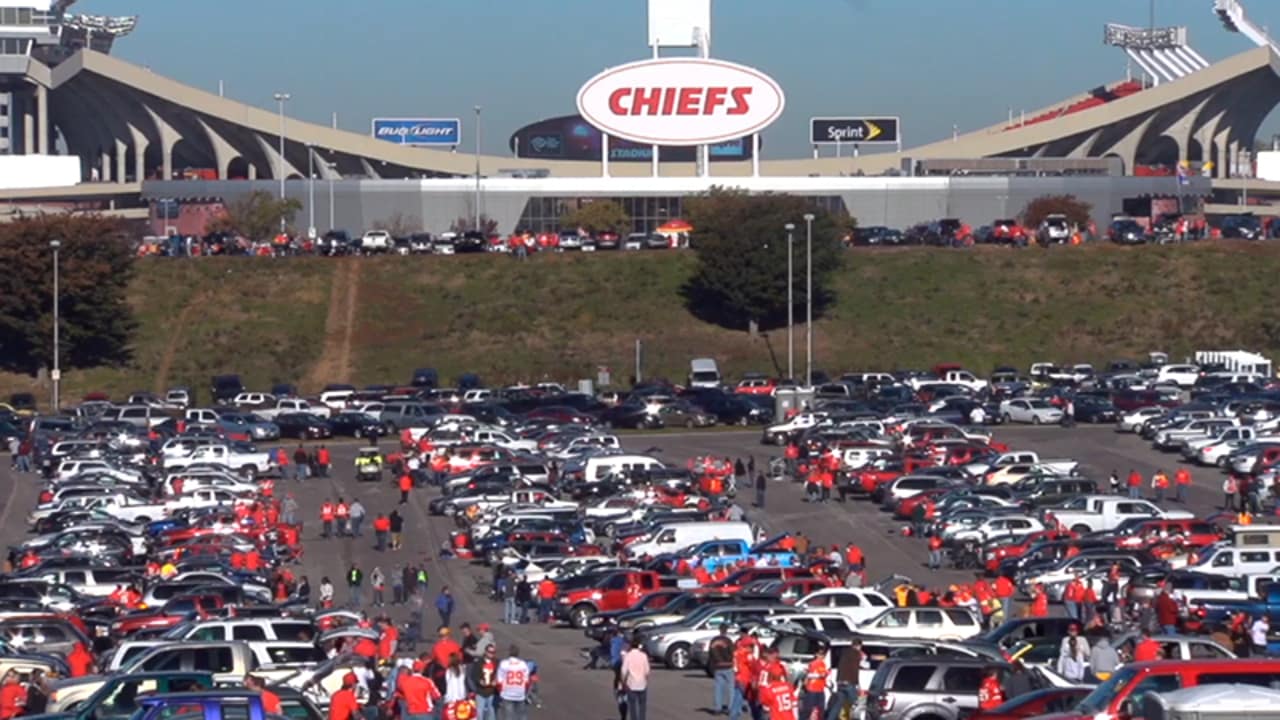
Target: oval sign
x=681 y=101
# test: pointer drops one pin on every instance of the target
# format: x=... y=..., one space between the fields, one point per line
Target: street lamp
x=808 y=296
x=477 y=213
x=56 y=373
x=311 y=194
x=332 y=167
x=281 y=99
x=791 y=307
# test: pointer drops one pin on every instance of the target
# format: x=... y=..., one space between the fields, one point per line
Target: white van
x=601 y=467
x=1238 y=561
x=678 y=536
x=704 y=373
x=143 y=416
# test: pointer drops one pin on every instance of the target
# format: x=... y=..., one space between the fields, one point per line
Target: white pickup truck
x=1098 y=513
x=1057 y=466
x=779 y=433
x=285 y=406
x=246 y=463
x=540 y=498
x=963 y=378
x=205 y=498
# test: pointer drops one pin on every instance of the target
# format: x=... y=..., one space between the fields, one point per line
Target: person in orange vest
x=546 y=598
x=1135 y=484
x=323 y=461
x=342 y=515
x=1182 y=479
x=1160 y=482
x=326 y=519
x=815 y=685
x=406 y=484
x=990 y=694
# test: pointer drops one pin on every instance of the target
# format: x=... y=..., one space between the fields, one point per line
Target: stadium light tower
x=281 y=99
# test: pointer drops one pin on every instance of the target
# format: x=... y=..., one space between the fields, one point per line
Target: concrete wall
x=897 y=202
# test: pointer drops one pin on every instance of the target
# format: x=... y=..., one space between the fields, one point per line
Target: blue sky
x=933 y=62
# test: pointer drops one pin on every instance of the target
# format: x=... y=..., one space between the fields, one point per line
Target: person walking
x=406 y=484
x=1229 y=488
x=355 y=583
x=635 y=680
x=397 y=585
x=324 y=462
x=326 y=519
x=300 y=461
x=289 y=510
x=342 y=516
x=395 y=523
x=483 y=681
x=761 y=485
x=444 y=605
x=720 y=662
x=1160 y=483
x=514 y=679
x=357 y=518
x=1181 y=481
x=381 y=528
x=1135 y=484
x=326 y=593
x=935 y=552
x=379 y=582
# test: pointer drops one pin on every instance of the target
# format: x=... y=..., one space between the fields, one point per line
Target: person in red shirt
x=388 y=641
x=1182 y=479
x=547 y=596
x=1005 y=591
x=270 y=701
x=854 y=558
x=419 y=694
x=1072 y=596
x=80 y=661
x=990 y=694
x=935 y=552
x=445 y=648
x=406 y=484
x=1147 y=649
x=779 y=697
x=13 y=696
x=343 y=704
x=1039 y=602
x=1135 y=484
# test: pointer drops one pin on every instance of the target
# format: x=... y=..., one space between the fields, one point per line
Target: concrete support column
x=42 y=111
x=253 y=171
x=166 y=151
x=139 y=161
x=28 y=123
x=105 y=170
x=122 y=162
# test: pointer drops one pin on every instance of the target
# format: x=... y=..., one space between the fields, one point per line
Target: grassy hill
x=365 y=320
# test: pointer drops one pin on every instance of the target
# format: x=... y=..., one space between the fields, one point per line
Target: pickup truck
x=1211 y=613
x=780 y=433
x=715 y=553
x=1175 y=437
x=248 y=463
x=129 y=509
x=530 y=496
x=1192 y=446
x=284 y=406
x=615 y=591
x=963 y=378
x=1097 y=513
x=1057 y=466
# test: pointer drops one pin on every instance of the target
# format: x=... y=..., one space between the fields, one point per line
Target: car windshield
x=1097 y=701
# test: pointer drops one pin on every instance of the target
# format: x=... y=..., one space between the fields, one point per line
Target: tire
x=690 y=424
x=580 y=615
x=355 y=433
x=249 y=472
x=1081 y=529
x=391 y=425
x=678 y=657
x=742 y=421
x=143 y=520
x=1035 y=420
x=1008 y=418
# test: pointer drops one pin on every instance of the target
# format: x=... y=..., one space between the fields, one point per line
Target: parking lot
x=558 y=650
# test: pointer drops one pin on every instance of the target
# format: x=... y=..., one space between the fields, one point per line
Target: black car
x=1245 y=225
x=1094 y=409
x=225 y=387
x=630 y=415
x=355 y=424
x=470 y=242
x=1126 y=232
x=736 y=409
x=425 y=378
x=303 y=426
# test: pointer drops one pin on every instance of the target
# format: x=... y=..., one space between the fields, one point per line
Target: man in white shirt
x=1258 y=636
x=514 y=677
x=634 y=676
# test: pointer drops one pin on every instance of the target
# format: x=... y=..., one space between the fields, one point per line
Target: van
x=1123 y=694
x=397 y=415
x=1238 y=561
x=597 y=469
x=143 y=416
x=678 y=536
x=703 y=373
x=1255 y=536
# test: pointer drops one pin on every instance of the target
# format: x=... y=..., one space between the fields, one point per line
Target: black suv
x=225 y=387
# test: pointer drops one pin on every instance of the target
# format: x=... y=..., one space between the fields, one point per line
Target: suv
x=1054 y=229
x=225 y=387
x=936 y=687
x=376 y=241
x=1126 y=231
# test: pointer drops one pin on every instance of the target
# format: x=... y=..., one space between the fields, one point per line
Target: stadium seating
x=1098 y=96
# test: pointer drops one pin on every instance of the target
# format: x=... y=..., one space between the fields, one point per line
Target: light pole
x=791 y=308
x=56 y=373
x=311 y=195
x=477 y=213
x=281 y=99
x=808 y=297
x=331 y=167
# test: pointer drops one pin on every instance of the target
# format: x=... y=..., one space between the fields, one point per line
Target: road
x=558 y=650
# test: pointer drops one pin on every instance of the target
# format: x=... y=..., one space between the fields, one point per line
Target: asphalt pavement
x=558 y=650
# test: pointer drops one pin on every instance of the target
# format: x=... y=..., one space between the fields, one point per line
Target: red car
x=876 y=474
x=737 y=581
x=1008 y=232
x=1187 y=533
x=172 y=613
x=999 y=553
x=756 y=386
x=906 y=507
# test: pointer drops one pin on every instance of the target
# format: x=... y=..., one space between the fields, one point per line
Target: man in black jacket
x=847 y=669
x=720 y=662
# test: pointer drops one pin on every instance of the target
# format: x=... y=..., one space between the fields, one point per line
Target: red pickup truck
x=615 y=591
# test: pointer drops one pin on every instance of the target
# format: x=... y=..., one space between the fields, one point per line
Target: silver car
x=1029 y=410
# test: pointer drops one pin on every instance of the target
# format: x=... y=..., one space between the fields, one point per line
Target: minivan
x=1238 y=561
x=678 y=536
x=596 y=469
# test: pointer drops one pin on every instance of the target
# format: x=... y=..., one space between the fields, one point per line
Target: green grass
x=560 y=317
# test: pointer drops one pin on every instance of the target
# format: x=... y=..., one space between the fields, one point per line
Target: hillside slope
x=560 y=317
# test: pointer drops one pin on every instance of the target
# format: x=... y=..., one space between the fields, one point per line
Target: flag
x=1182 y=174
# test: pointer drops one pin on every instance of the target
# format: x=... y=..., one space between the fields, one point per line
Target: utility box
x=787 y=399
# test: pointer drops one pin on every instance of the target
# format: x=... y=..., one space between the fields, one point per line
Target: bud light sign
x=418 y=131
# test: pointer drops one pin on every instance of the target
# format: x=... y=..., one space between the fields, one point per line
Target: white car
x=376 y=241
x=924 y=623
x=1184 y=376
x=1003 y=525
x=1132 y=421
x=856 y=604
x=1029 y=410
x=1217 y=453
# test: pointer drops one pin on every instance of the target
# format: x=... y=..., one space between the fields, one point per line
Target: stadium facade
x=143 y=137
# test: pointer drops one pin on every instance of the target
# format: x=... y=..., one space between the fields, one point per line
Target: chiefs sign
x=681 y=101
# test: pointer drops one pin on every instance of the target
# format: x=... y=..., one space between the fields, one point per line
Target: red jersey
x=271 y=703
x=418 y=693
x=344 y=705
x=13 y=698
x=780 y=698
x=990 y=694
